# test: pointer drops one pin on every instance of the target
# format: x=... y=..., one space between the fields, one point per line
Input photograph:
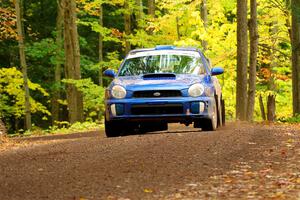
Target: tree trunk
x=72 y=61
x=242 y=60
x=100 y=45
x=3 y=130
x=177 y=28
x=23 y=64
x=151 y=8
x=127 y=22
x=205 y=21
x=262 y=108
x=253 y=60
x=139 y=12
x=296 y=55
x=271 y=108
x=57 y=72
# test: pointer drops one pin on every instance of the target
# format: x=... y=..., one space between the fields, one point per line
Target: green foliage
x=294 y=120
x=93 y=102
x=61 y=128
x=112 y=62
x=176 y=22
x=12 y=96
x=42 y=50
x=105 y=32
x=76 y=127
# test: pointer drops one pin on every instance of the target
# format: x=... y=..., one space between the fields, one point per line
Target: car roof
x=164 y=47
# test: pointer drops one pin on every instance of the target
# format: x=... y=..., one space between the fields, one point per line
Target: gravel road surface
x=176 y=164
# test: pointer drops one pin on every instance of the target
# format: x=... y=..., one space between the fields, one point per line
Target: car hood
x=139 y=83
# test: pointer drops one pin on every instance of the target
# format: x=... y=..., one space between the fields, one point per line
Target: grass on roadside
x=61 y=128
x=291 y=120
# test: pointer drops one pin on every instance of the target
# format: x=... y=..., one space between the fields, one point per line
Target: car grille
x=157 y=109
x=157 y=93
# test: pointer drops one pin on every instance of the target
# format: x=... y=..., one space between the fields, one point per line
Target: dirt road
x=238 y=161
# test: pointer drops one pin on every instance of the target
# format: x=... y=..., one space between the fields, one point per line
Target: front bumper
x=182 y=109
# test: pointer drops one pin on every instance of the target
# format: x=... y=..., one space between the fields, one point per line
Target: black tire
x=219 y=111
x=113 y=128
x=223 y=112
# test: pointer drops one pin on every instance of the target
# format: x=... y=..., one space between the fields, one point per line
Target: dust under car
x=162 y=85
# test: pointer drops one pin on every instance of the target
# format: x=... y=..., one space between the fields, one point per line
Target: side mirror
x=109 y=73
x=217 y=71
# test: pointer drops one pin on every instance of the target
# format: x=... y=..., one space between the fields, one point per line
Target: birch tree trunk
x=127 y=22
x=177 y=28
x=271 y=103
x=57 y=72
x=205 y=21
x=100 y=45
x=296 y=55
x=72 y=61
x=242 y=60
x=253 y=60
x=23 y=64
x=151 y=8
x=139 y=12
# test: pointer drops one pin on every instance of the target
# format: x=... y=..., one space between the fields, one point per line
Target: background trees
x=18 y=5
x=242 y=60
x=57 y=57
x=295 y=4
x=56 y=93
x=253 y=60
x=72 y=61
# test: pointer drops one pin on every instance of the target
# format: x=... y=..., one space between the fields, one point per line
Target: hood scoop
x=159 y=76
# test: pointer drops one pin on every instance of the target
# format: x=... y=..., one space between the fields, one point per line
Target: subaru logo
x=156 y=94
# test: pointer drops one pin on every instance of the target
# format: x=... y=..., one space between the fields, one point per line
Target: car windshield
x=162 y=63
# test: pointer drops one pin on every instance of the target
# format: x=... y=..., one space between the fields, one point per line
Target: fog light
x=201 y=107
x=117 y=109
x=197 y=107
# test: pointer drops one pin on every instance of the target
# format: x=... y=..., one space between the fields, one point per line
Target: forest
x=53 y=54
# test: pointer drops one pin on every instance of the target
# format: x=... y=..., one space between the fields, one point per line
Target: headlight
x=196 y=90
x=118 y=92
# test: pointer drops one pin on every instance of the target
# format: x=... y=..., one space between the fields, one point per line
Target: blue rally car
x=162 y=85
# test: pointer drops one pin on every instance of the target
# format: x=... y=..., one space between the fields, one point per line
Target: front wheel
x=223 y=112
x=209 y=124
x=113 y=128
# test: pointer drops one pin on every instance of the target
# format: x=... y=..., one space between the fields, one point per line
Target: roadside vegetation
x=63 y=128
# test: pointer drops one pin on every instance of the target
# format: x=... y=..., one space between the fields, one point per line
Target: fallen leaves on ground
x=8 y=144
x=275 y=177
